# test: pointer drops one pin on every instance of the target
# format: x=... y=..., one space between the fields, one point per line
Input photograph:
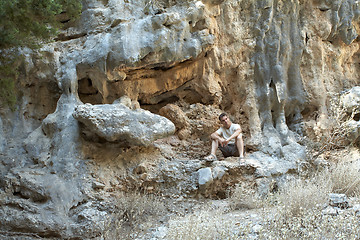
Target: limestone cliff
x=270 y=64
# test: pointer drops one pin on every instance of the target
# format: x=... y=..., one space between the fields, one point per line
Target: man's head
x=225 y=121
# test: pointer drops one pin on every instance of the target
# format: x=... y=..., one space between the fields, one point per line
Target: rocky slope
x=272 y=65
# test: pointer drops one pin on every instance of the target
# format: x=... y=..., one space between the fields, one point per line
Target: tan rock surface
x=272 y=65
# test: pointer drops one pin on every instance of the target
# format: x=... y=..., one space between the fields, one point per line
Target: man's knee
x=215 y=140
x=239 y=137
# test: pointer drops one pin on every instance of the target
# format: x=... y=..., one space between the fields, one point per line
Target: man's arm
x=235 y=134
x=216 y=136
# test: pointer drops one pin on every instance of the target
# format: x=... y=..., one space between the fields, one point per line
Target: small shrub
x=131 y=213
x=24 y=23
x=8 y=74
x=345 y=178
x=206 y=224
x=338 y=131
x=304 y=194
x=245 y=196
x=27 y=24
x=298 y=213
x=310 y=224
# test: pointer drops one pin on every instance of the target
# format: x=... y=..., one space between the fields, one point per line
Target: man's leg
x=240 y=145
x=214 y=146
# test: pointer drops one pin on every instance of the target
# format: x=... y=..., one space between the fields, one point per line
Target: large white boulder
x=118 y=123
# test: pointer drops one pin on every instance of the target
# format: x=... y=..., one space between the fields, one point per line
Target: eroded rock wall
x=270 y=64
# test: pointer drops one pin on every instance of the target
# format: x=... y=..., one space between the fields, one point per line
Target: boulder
x=205 y=178
x=332 y=211
x=176 y=115
x=118 y=123
x=350 y=100
x=218 y=172
x=125 y=100
x=179 y=118
x=338 y=200
x=356 y=209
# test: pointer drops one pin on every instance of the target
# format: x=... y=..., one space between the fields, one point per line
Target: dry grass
x=246 y=197
x=132 y=215
x=302 y=194
x=298 y=214
x=338 y=133
x=345 y=178
x=310 y=224
x=294 y=212
x=207 y=224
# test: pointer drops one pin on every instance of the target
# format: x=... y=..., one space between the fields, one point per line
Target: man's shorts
x=229 y=150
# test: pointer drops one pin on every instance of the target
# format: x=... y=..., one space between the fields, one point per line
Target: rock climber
x=228 y=138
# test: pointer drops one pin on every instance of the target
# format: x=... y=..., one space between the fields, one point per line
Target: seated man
x=228 y=138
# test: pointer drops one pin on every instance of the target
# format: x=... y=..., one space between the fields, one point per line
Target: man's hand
x=223 y=142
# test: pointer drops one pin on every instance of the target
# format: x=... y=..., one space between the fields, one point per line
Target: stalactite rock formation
x=272 y=65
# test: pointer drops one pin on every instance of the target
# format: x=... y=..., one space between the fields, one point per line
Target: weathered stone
x=266 y=166
x=203 y=120
x=184 y=134
x=271 y=64
x=37 y=202
x=353 y=130
x=356 y=209
x=332 y=211
x=342 y=26
x=350 y=100
x=218 y=172
x=176 y=115
x=338 y=200
x=257 y=228
x=124 y=100
x=92 y=215
x=118 y=123
x=205 y=178
x=140 y=169
x=98 y=185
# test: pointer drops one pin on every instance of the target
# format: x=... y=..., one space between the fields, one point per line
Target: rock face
x=40 y=204
x=271 y=64
x=349 y=104
x=2 y=138
x=118 y=123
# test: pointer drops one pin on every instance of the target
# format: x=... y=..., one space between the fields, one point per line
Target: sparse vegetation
x=345 y=178
x=309 y=224
x=7 y=83
x=300 y=194
x=132 y=214
x=294 y=212
x=27 y=23
x=246 y=197
x=337 y=133
x=205 y=224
